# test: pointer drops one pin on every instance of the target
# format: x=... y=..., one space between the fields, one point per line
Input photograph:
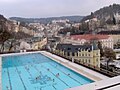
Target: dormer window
x=76 y=48
x=69 y=48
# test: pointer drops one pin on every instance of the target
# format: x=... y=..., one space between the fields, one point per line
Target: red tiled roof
x=89 y=37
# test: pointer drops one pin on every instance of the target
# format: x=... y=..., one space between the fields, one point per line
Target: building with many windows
x=34 y=43
x=106 y=40
x=88 y=54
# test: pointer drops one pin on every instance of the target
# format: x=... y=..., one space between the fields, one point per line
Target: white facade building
x=105 y=40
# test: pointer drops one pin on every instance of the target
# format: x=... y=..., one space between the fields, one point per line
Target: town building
x=106 y=40
x=33 y=43
x=88 y=54
x=117 y=17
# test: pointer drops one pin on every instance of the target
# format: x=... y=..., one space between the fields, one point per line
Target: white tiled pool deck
x=100 y=80
x=100 y=85
x=95 y=76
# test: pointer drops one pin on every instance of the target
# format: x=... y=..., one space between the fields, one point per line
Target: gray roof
x=75 y=48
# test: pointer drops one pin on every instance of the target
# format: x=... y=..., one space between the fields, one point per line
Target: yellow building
x=87 y=54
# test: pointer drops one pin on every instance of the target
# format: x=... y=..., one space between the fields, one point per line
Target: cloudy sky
x=51 y=8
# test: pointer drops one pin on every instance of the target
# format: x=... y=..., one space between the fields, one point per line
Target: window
x=83 y=60
x=69 y=48
x=76 y=48
x=82 y=54
x=73 y=54
x=79 y=54
x=89 y=50
x=89 y=60
x=89 y=54
x=96 y=53
x=68 y=54
x=96 y=59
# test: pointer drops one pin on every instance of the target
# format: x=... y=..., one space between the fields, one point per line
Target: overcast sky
x=51 y=8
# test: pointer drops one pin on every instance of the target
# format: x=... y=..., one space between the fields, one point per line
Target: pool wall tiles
x=0 y=73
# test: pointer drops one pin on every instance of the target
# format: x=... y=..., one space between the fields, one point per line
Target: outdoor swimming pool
x=37 y=72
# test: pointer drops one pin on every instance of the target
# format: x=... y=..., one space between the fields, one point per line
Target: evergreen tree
x=114 y=20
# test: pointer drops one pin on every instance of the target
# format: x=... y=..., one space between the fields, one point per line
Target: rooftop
x=89 y=37
x=75 y=48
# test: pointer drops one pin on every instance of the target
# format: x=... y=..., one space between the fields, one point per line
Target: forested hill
x=105 y=12
x=46 y=20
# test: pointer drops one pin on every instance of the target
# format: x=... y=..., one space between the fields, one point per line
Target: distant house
x=33 y=43
x=88 y=54
x=106 y=40
x=117 y=52
x=24 y=45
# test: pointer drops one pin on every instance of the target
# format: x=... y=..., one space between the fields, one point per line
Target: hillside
x=2 y=18
x=46 y=20
x=3 y=22
x=104 y=13
x=7 y=31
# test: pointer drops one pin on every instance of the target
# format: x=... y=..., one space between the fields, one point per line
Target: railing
x=87 y=65
x=6 y=52
x=100 y=70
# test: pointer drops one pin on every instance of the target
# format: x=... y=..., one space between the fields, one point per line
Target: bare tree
x=3 y=38
x=109 y=54
x=4 y=34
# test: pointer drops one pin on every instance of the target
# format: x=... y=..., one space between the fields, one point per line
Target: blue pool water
x=37 y=72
